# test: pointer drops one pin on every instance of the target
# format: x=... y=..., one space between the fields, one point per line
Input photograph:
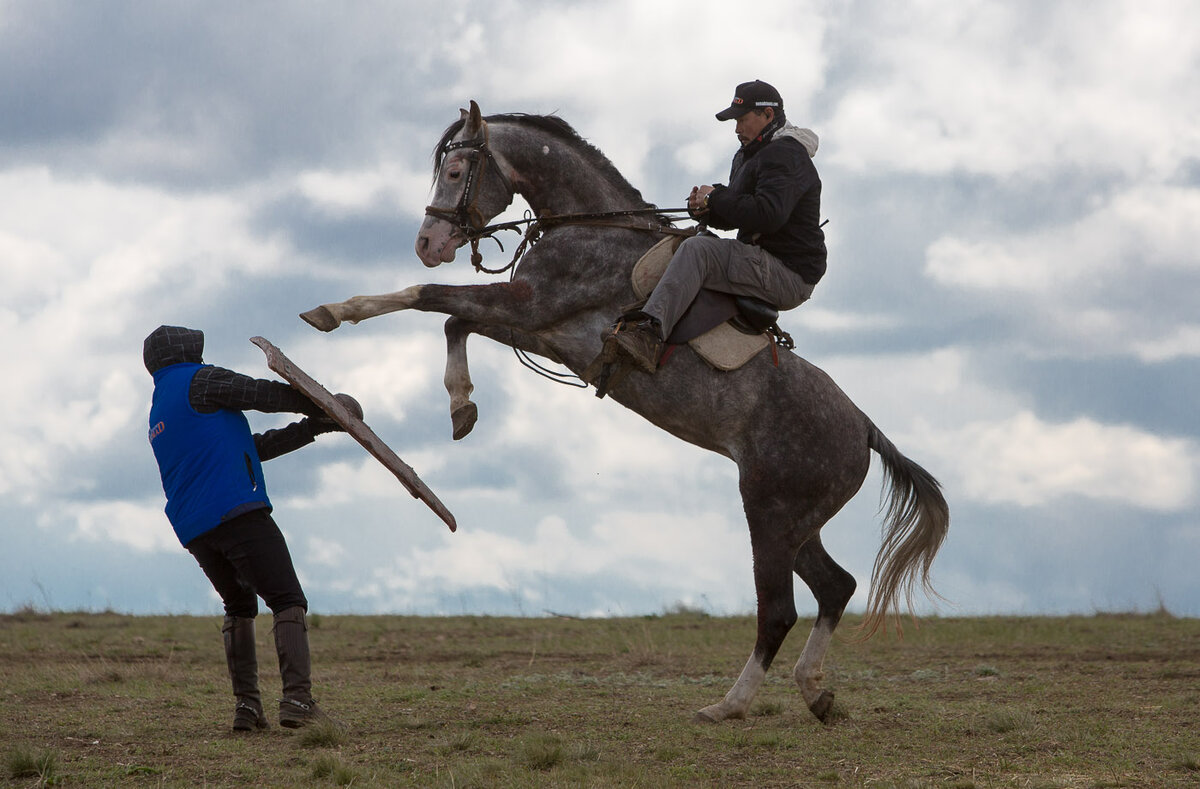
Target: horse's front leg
x=463 y=412
x=328 y=317
x=512 y=305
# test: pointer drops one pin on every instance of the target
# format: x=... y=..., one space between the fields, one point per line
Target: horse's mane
x=558 y=128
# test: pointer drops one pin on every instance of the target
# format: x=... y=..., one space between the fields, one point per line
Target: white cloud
x=625 y=105
x=988 y=445
x=340 y=484
x=140 y=526
x=1184 y=341
x=1079 y=283
x=1020 y=89
x=1025 y=461
x=1142 y=229
x=386 y=374
x=325 y=552
x=1027 y=102
x=901 y=392
x=813 y=318
x=604 y=450
x=128 y=258
x=700 y=552
x=348 y=193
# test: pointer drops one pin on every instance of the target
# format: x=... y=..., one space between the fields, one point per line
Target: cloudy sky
x=1013 y=195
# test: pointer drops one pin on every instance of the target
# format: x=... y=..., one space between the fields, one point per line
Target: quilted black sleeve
x=273 y=443
x=216 y=387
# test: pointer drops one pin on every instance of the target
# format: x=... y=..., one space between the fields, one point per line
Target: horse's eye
x=454 y=174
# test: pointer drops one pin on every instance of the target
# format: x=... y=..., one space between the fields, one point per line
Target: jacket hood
x=806 y=137
x=169 y=345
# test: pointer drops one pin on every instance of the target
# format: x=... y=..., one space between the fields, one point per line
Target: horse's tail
x=916 y=519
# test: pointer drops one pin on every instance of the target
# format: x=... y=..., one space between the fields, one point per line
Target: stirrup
x=608 y=368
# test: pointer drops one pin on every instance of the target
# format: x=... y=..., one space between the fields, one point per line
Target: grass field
x=1100 y=701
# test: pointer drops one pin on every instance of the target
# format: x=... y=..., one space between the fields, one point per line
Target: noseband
x=466 y=216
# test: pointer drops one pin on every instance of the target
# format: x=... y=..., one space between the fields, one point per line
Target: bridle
x=469 y=221
x=466 y=216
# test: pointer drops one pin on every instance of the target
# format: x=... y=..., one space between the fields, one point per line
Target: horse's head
x=470 y=188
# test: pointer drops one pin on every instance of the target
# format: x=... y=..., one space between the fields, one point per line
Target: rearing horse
x=802 y=448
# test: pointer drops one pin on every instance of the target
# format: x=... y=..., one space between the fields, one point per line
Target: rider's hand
x=698 y=199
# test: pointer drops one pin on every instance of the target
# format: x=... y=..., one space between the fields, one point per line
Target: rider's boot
x=639 y=337
x=238 y=632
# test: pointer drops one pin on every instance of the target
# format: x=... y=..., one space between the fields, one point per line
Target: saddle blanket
x=723 y=346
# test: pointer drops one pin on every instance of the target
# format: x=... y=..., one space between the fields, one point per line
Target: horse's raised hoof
x=321 y=318
x=822 y=706
x=463 y=419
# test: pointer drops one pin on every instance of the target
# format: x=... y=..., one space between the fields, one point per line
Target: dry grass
x=105 y=699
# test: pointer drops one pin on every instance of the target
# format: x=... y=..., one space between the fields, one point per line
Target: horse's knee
x=456 y=330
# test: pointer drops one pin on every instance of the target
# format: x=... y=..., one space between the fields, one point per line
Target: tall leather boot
x=238 y=632
x=297 y=707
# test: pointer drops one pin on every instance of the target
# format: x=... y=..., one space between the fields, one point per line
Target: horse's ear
x=474 y=120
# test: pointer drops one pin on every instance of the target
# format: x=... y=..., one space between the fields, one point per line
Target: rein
x=536 y=226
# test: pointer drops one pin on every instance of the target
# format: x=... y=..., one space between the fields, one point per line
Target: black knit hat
x=169 y=345
x=751 y=96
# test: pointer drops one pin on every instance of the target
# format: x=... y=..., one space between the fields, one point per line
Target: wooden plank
x=354 y=426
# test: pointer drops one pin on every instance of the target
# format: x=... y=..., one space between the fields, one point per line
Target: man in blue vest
x=211 y=468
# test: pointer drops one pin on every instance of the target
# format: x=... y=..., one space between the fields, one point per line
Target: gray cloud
x=1012 y=231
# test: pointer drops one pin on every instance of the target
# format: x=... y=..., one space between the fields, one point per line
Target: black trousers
x=246 y=557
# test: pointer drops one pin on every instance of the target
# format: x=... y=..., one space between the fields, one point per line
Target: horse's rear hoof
x=320 y=318
x=715 y=713
x=463 y=419
x=822 y=706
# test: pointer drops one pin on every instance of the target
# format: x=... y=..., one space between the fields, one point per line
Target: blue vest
x=209 y=466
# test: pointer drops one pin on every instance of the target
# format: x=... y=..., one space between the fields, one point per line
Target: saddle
x=725 y=330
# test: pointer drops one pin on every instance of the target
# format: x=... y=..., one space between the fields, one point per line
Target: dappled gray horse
x=802 y=448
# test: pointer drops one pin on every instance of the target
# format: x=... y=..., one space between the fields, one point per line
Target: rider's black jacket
x=774 y=200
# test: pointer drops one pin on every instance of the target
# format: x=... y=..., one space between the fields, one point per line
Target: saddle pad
x=724 y=347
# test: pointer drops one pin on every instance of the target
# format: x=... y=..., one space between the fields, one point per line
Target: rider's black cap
x=751 y=96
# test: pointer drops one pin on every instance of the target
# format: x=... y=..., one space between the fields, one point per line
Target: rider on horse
x=774 y=202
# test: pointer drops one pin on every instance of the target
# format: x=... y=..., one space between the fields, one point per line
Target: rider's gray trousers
x=727 y=265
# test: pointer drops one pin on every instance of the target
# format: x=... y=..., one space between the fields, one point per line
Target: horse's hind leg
x=463 y=412
x=773 y=557
x=833 y=587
